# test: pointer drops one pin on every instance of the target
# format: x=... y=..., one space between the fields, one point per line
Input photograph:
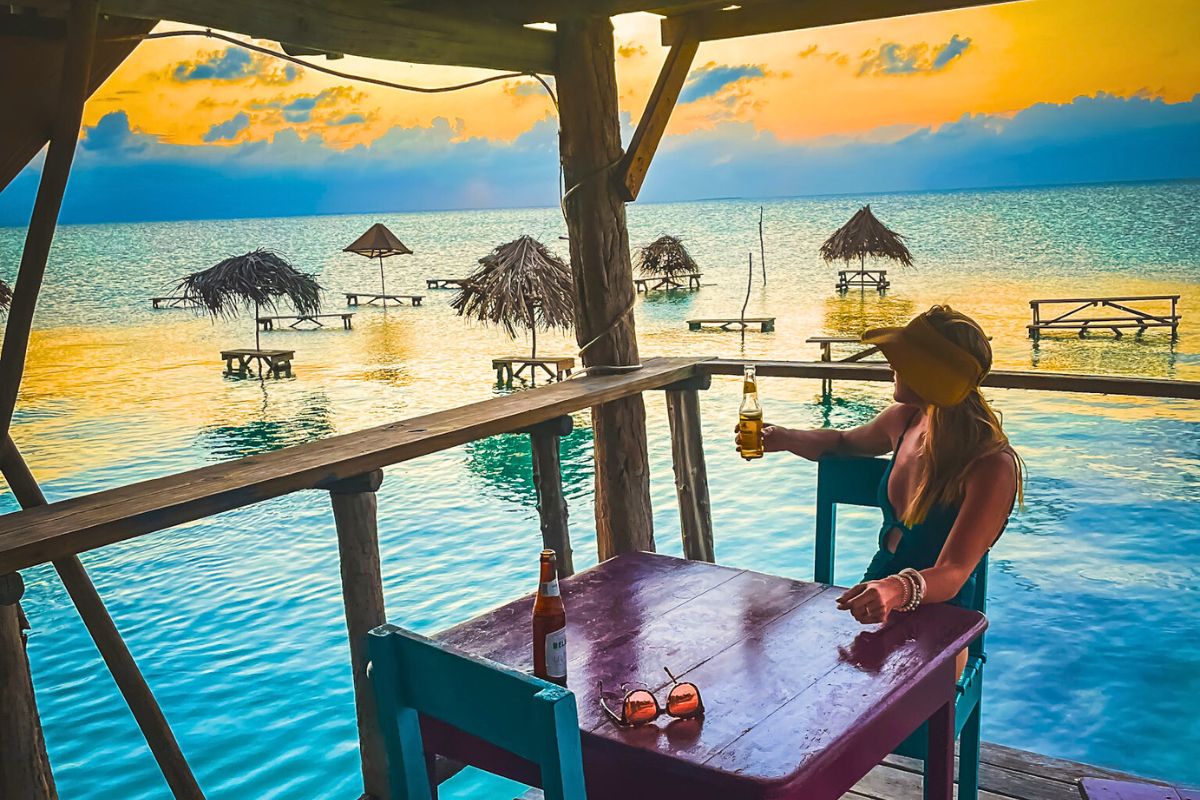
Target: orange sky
x=813 y=84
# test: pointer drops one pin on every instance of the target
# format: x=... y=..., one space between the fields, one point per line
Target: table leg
x=939 y=760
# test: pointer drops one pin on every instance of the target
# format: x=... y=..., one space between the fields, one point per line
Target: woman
x=953 y=477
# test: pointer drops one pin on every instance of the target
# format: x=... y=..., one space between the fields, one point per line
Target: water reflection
x=851 y=314
x=1099 y=354
x=270 y=428
x=504 y=465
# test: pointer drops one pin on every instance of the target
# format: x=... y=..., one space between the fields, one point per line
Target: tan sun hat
x=934 y=367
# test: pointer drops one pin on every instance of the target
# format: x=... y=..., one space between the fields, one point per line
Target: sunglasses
x=640 y=706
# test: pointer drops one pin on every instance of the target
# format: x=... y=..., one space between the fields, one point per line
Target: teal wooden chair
x=855 y=481
x=524 y=715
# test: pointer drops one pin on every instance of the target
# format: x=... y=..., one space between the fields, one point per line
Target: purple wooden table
x=801 y=700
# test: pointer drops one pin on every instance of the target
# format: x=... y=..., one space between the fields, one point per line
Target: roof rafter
x=359 y=27
x=774 y=16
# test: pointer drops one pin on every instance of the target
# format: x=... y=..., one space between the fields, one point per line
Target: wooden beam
x=355 y=513
x=773 y=16
x=73 y=526
x=32 y=47
x=357 y=27
x=997 y=379
x=99 y=623
x=632 y=171
x=691 y=474
x=547 y=482
x=64 y=136
x=590 y=146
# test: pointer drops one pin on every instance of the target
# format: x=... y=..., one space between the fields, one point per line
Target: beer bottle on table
x=549 y=625
x=750 y=417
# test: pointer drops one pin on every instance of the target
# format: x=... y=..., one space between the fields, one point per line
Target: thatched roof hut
x=864 y=235
x=519 y=285
x=5 y=296
x=261 y=277
x=666 y=255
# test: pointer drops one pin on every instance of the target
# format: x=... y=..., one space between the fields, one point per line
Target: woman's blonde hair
x=957 y=436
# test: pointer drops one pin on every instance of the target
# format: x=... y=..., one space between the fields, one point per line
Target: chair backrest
x=524 y=715
x=854 y=480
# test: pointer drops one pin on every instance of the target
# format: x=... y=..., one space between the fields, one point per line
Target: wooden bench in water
x=765 y=324
x=353 y=298
x=1123 y=315
x=268 y=323
x=444 y=283
x=509 y=369
x=173 y=302
x=277 y=362
x=675 y=281
x=1004 y=774
x=862 y=279
x=827 y=343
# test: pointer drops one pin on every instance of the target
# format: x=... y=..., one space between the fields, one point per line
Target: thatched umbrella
x=378 y=242
x=864 y=235
x=260 y=277
x=519 y=285
x=5 y=296
x=666 y=256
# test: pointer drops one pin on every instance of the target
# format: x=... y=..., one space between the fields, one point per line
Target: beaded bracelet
x=906 y=587
x=917 y=580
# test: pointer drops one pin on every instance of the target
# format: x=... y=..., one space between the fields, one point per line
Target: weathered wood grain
x=73 y=526
x=691 y=474
x=590 y=146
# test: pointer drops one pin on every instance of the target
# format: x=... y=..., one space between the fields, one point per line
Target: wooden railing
x=349 y=467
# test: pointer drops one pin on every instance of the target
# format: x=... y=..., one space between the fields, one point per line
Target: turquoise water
x=237 y=621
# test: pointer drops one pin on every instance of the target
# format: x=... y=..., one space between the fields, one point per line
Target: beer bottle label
x=556 y=653
x=550 y=588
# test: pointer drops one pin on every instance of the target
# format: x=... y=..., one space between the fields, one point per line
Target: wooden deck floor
x=1005 y=774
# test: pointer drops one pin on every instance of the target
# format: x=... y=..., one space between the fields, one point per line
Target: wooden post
x=138 y=696
x=691 y=473
x=24 y=766
x=547 y=481
x=590 y=146
x=354 y=513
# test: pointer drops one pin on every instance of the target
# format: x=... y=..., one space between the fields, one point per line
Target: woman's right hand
x=775 y=438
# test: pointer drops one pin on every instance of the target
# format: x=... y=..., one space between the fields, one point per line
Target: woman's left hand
x=873 y=601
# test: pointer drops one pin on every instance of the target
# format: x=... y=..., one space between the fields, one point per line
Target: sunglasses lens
x=684 y=700
x=640 y=707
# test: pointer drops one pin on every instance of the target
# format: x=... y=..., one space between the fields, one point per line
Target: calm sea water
x=237 y=621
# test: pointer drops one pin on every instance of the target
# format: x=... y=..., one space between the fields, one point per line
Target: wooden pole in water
x=138 y=696
x=590 y=147
x=355 y=514
x=544 y=440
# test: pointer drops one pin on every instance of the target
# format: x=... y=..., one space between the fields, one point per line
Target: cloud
x=630 y=50
x=1091 y=139
x=229 y=129
x=299 y=109
x=113 y=134
x=712 y=78
x=893 y=58
x=349 y=119
x=235 y=64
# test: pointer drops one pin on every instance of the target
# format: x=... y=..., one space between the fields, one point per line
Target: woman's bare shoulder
x=999 y=467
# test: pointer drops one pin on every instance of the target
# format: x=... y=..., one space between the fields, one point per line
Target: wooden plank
x=751 y=19
x=1047 y=766
x=73 y=526
x=374 y=30
x=1102 y=789
x=998 y=379
x=602 y=275
x=1105 y=299
x=632 y=171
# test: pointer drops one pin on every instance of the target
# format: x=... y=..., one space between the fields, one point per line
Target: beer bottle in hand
x=549 y=626
x=750 y=417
